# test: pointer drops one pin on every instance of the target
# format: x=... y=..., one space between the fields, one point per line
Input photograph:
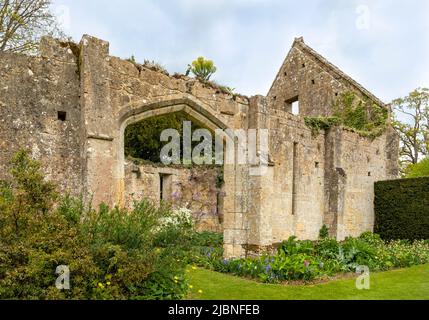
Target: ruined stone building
x=71 y=104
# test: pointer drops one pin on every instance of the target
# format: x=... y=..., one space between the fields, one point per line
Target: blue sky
x=383 y=44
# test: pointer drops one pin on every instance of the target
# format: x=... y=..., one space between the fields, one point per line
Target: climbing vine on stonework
x=361 y=116
x=321 y=123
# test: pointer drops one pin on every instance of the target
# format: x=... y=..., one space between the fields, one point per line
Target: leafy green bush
x=207 y=239
x=111 y=253
x=291 y=247
x=417 y=170
x=324 y=232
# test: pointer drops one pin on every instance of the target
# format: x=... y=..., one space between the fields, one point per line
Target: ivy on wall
x=363 y=117
x=321 y=123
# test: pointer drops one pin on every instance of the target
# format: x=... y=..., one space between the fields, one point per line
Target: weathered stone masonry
x=71 y=105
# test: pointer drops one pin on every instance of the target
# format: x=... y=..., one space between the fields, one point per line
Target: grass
x=402 y=284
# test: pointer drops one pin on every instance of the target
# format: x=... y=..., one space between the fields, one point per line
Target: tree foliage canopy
x=417 y=170
x=142 y=139
x=414 y=131
x=24 y=22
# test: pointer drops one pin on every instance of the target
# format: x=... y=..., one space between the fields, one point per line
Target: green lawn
x=404 y=284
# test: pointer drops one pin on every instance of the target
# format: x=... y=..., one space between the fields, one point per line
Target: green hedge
x=402 y=209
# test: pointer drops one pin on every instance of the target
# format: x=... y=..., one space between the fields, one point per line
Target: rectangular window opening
x=292 y=105
x=165 y=187
x=62 y=115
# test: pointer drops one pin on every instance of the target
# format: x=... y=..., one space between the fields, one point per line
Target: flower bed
x=307 y=260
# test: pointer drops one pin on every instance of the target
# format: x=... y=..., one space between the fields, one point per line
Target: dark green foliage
x=402 y=209
x=111 y=253
x=324 y=232
x=207 y=239
x=291 y=247
x=142 y=139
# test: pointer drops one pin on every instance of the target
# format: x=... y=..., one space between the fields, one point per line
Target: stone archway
x=114 y=93
x=132 y=114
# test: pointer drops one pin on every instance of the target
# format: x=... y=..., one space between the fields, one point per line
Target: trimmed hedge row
x=402 y=209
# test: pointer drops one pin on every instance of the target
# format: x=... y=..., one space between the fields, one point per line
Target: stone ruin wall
x=330 y=182
x=32 y=91
x=334 y=170
x=196 y=188
x=317 y=83
x=299 y=214
x=318 y=179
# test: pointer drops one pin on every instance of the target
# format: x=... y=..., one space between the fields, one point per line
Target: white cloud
x=248 y=40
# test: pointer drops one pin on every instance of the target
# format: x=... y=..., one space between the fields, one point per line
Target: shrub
x=291 y=246
x=417 y=170
x=207 y=239
x=402 y=209
x=324 y=232
x=203 y=69
x=327 y=248
x=111 y=253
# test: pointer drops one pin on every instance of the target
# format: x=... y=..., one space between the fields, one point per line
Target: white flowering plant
x=180 y=218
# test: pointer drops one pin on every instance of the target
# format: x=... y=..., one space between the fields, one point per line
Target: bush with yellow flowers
x=110 y=253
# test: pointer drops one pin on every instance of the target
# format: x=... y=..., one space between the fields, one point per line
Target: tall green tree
x=24 y=22
x=412 y=124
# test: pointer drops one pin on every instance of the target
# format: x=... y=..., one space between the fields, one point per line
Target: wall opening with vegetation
x=198 y=188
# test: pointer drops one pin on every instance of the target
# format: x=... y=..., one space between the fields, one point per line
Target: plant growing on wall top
x=364 y=117
x=202 y=69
